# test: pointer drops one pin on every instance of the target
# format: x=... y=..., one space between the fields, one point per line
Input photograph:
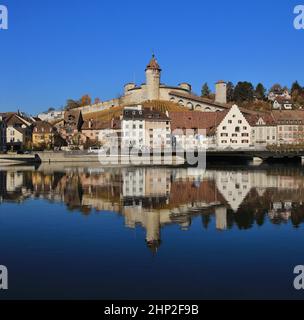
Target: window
x=244 y=128
x=224 y=128
x=240 y=121
x=237 y=129
x=229 y=121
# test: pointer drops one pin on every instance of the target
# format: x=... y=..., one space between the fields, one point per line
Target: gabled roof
x=253 y=119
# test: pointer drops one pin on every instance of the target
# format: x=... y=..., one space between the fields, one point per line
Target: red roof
x=197 y=120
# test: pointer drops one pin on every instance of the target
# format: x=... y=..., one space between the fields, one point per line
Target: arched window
x=172 y=99
x=190 y=105
x=198 y=107
x=181 y=103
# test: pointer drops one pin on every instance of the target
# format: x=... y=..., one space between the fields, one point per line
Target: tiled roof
x=153 y=64
x=194 y=119
x=42 y=127
x=287 y=115
x=254 y=118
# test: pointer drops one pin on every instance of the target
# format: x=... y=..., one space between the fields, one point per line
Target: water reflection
x=156 y=197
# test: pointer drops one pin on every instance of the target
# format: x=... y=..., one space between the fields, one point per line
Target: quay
x=257 y=156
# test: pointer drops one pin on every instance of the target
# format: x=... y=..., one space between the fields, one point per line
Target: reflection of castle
x=154 y=197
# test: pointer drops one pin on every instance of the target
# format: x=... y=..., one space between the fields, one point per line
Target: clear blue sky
x=60 y=49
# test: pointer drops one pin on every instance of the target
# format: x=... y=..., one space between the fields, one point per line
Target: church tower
x=153 y=72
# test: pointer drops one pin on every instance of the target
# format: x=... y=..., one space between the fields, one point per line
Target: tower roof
x=153 y=64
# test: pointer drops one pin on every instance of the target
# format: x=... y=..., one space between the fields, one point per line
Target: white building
x=234 y=131
x=51 y=116
x=145 y=128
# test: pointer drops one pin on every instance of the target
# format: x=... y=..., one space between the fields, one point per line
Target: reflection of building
x=154 y=198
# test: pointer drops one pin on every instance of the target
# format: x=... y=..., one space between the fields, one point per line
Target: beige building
x=263 y=130
x=290 y=126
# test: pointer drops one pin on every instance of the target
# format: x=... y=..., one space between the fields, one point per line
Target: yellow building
x=43 y=135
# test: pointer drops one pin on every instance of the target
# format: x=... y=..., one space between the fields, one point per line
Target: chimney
x=221 y=92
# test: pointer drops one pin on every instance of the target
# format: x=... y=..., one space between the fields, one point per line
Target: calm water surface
x=76 y=232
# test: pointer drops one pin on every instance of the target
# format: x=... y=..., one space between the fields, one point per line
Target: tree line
x=244 y=92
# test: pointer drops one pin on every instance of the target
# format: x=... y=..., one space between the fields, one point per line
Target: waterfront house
x=263 y=129
x=290 y=126
x=43 y=135
x=195 y=129
x=18 y=131
x=143 y=127
x=234 y=131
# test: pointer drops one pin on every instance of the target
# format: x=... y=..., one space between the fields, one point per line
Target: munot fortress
x=153 y=90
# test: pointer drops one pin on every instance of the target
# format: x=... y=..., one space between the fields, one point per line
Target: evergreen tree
x=296 y=88
x=244 y=91
x=260 y=92
x=205 y=90
x=230 y=91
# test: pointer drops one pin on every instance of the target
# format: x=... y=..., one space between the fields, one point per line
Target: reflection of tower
x=153 y=72
x=221 y=218
x=153 y=230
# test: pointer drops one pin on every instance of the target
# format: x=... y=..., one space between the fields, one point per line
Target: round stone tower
x=153 y=72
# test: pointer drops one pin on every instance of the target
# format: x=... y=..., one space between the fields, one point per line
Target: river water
x=151 y=233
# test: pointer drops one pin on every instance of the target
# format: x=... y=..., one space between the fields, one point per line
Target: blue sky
x=60 y=49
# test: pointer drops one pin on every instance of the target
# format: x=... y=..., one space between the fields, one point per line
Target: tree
x=72 y=104
x=205 y=90
x=85 y=100
x=230 y=91
x=244 y=91
x=296 y=87
x=276 y=88
x=260 y=92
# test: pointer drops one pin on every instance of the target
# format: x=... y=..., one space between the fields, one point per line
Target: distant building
x=290 y=126
x=278 y=92
x=281 y=103
x=69 y=128
x=51 y=116
x=43 y=134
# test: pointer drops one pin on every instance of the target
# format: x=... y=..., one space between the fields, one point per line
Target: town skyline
x=44 y=74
